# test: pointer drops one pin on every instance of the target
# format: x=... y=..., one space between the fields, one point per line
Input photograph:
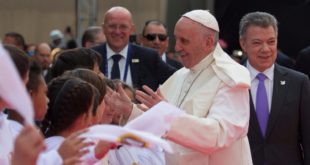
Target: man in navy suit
x=279 y=122
x=154 y=35
x=303 y=61
x=137 y=65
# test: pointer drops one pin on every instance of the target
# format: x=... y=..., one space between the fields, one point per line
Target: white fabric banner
x=12 y=89
x=156 y=120
x=122 y=135
x=144 y=131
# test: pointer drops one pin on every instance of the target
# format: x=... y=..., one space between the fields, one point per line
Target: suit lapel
x=280 y=89
x=103 y=51
x=168 y=60
x=134 y=66
x=253 y=119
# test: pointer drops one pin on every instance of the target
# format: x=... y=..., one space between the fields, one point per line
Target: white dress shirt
x=268 y=83
x=121 y=63
x=164 y=57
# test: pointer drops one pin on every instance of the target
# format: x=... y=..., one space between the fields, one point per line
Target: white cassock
x=214 y=94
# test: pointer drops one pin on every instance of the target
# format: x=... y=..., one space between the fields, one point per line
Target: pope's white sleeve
x=226 y=122
x=135 y=113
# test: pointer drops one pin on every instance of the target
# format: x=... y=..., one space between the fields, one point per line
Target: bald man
x=42 y=55
x=131 y=63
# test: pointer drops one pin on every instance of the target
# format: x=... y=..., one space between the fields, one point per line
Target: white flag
x=12 y=89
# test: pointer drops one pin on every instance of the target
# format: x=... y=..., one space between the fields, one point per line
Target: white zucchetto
x=203 y=17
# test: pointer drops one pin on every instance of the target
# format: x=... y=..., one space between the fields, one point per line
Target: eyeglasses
x=44 y=55
x=152 y=37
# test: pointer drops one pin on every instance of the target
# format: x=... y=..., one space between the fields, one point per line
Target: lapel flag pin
x=135 y=60
x=282 y=82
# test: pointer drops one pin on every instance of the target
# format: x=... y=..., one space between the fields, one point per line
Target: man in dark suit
x=285 y=60
x=137 y=66
x=154 y=35
x=132 y=64
x=303 y=61
x=279 y=105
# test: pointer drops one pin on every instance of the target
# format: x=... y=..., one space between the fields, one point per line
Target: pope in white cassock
x=213 y=91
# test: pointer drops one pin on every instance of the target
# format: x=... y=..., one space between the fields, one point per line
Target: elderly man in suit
x=131 y=63
x=279 y=107
x=154 y=35
x=42 y=55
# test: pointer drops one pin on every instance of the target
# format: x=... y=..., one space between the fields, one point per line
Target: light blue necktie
x=262 y=111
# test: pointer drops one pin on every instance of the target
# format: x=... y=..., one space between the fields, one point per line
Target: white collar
x=204 y=63
x=253 y=72
x=3 y=118
x=110 y=52
x=164 y=57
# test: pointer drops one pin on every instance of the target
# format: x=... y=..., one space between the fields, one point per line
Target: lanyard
x=128 y=58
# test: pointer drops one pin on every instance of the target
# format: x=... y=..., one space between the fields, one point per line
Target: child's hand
x=28 y=145
x=74 y=146
x=102 y=148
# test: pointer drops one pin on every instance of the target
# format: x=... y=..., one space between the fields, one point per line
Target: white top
x=268 y=82
x=49 y=158
x=8 y=135
x=134 y=155
x=15 y=125
x=8 y=132
x=54 y=142
x=121 y=63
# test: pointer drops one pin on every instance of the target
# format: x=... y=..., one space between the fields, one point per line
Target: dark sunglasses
x=152 y=37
